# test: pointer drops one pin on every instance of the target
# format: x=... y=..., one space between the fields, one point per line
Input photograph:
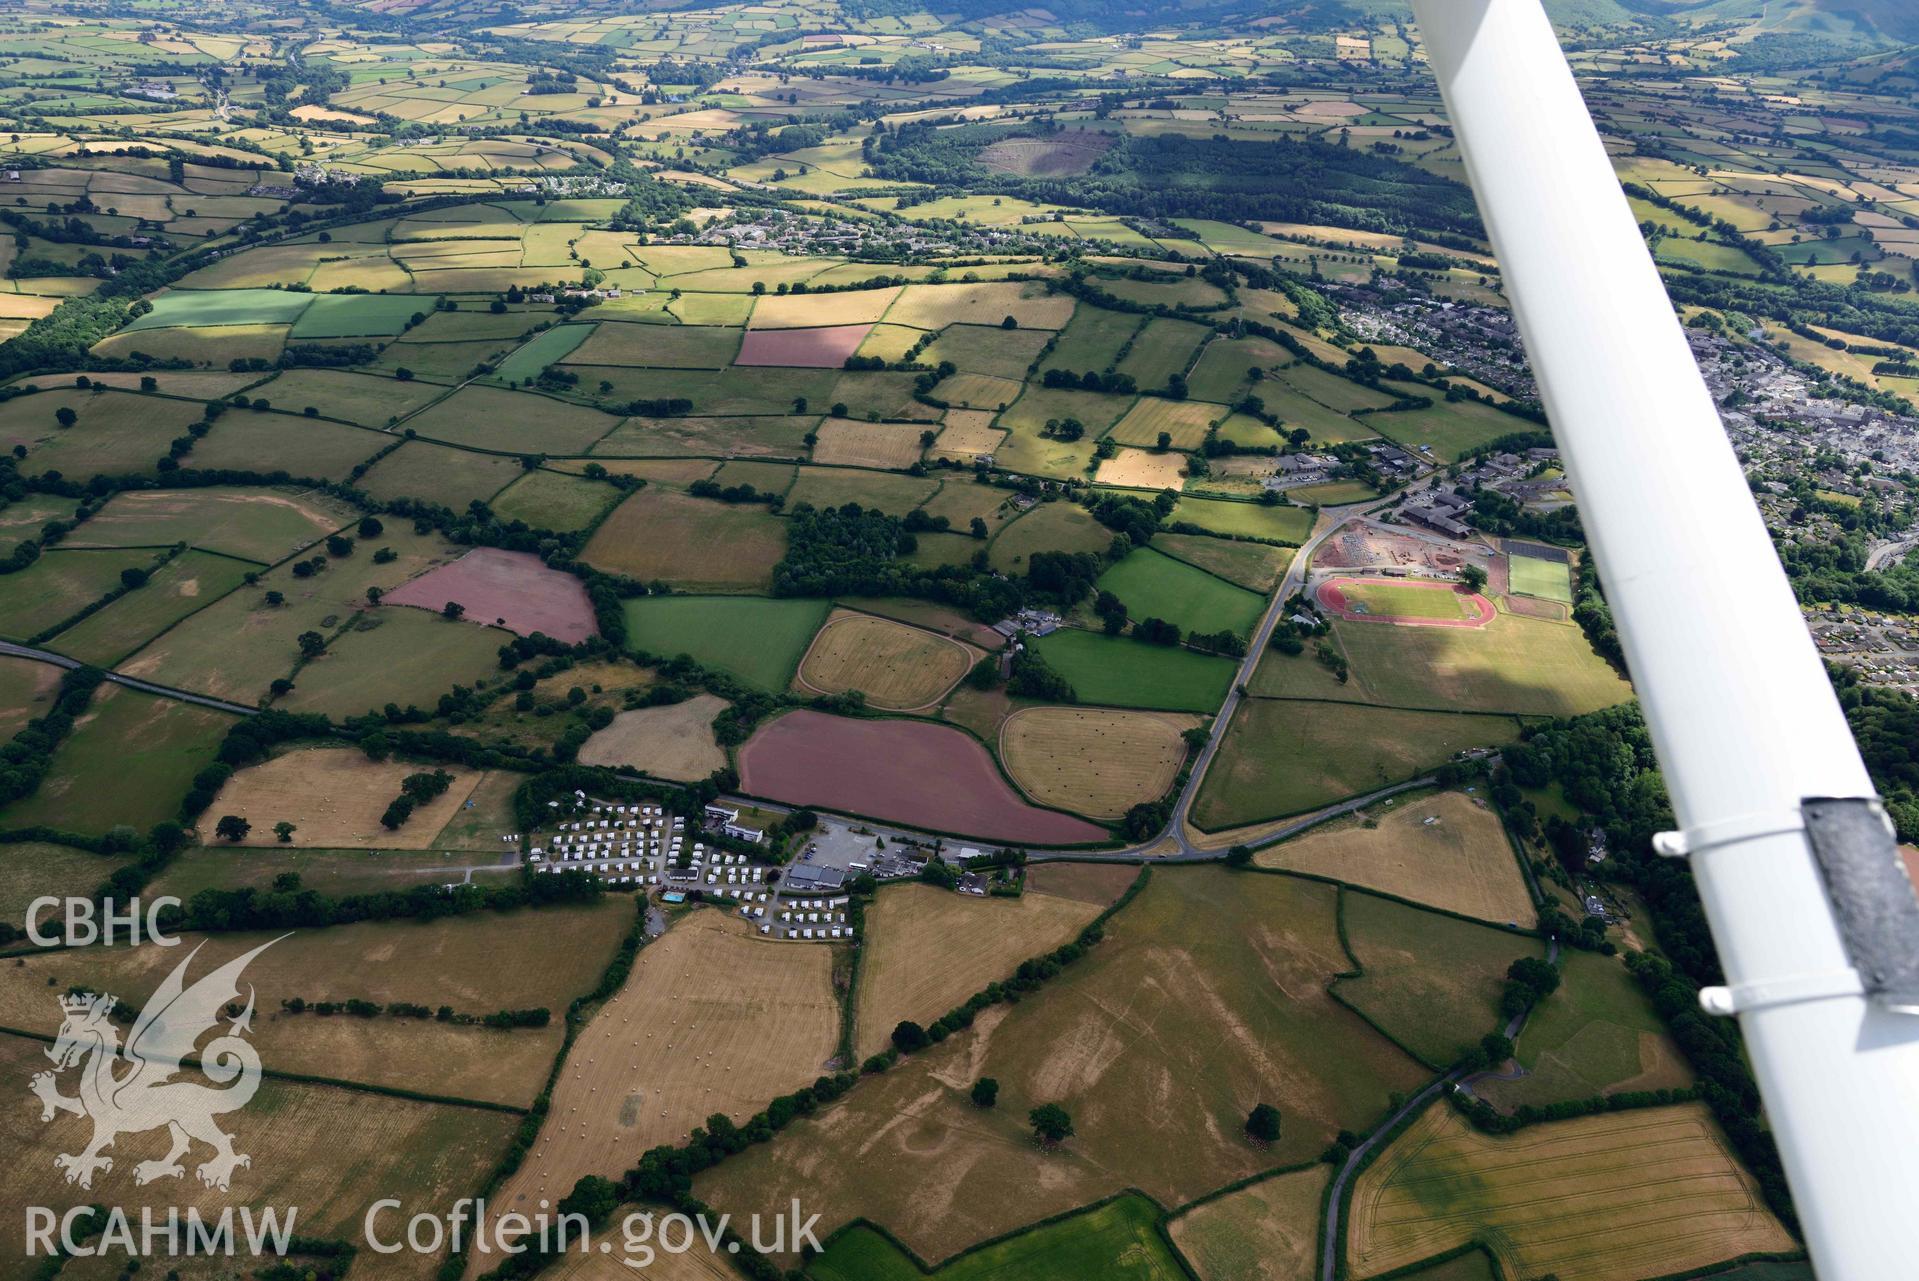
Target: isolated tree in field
x=799 y=404
x=373 y=595
x=232 y=827
x=284 y=830
x=978 y=527
x=452 y=609
x=1051 y=1123
x=1473 y=578
x=370 y=527
x=1263 y=1123
x=985 y=1092
x=311 y=644
x=909 y=1036
x=1165 y=441
x=65 y=416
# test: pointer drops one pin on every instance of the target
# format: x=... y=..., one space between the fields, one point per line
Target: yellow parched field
x=887 y=446
x=1093 y=761
x=929 y=949
x=1143 y=469
x=712 y=1019
x=328 y=1151
x=454 y=962
x=673 y=741
x=334 y=797
x=1616 y=1197
x=805 y=311
x=1446 y=850
x=897 y=667
x=968 y=433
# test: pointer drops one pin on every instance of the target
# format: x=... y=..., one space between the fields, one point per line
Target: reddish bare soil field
x=513 y=589
x=825 y=348
x=913 y=772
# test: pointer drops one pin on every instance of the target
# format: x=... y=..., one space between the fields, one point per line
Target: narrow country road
x=131 y=682
x=1330 y=1239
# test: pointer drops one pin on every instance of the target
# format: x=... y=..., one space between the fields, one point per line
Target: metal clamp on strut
x=1872 y=897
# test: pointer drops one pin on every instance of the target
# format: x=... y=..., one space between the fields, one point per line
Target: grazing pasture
x=555 y=500
x=1092 y=339
x=883 y=768
x=1058 y=526
x=673 y=740
x=402 y=656
x=1184 y=422
x=197 y=308
x=1633 y=1194
x=835 y=486
x=359 y=315
x=1596 y=1034
x=1094 y=761
x=1445 y=849
x=1281 y=757
x=1206 y=996
x=1116 y=1241
x=937 y=306
x=189 y=582
x=548 y=347
x=1117 y=671
x=32 y=869
x=1164 y=348
x=927 y=950
x=658 y=346
x=450 y=477
x=334 y=796
x=1255 y=566
x=129 y=760
x=756 y=639
x=897 y=667
x=1266 y=1231
x=118 y=433
x=519 y=422
x=264 y=525
x=359 y=398
x=304 y=448
x=1230 y=519
x=712 y=1019
x=60 y=584
x=514 y=590
x=696 y=544
x=1431 y=982
x=1154 y=585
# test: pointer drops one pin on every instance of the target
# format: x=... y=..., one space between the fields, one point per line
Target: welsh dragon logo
x=131 y=1090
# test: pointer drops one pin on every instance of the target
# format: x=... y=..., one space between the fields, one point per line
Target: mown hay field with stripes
x=1615 y=1197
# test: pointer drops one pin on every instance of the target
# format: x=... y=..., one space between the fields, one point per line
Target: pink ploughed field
x=824 y=348
x=913 y=772
x=514 y=590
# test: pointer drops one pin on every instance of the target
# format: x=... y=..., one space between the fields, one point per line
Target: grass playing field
x=758 y=640
x=1445 y=849
x=1530 y=666
x=1154 y=585
x=1116 y=671
x=1404 y=600
x=1547 y=579
x=1631 y=1194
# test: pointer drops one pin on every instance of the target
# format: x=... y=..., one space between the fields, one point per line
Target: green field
x=440 y=474
x=1531 y=666
x=1546 y=579
x=360 y=315
x=1049 y=527
x=1404 y=600
x=1115 y=671
x=188 y=582
x=554 y=500
x=1281 y=757
x=1597 y=1033
x=1431 y=981
x=1282 y=524
x=129 y=760
x=1118 y=1241
x=1451 y=428
x=758 y=640
x=538 y=352
x=203 y=307
x=59 y=585
x=302 y=447
x=1091 y=339
x=1256 y=566
x=1154 y=585
x=30 y=869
